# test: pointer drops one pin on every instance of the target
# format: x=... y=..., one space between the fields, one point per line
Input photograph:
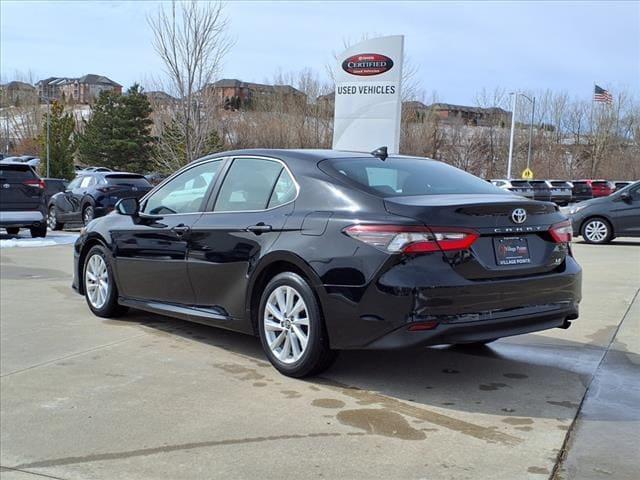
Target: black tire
x=38 y=232
x=13 y=230
x=111 y=308
x=316 y=356
x=597 y=231
x=88 y=214
x=52 y=219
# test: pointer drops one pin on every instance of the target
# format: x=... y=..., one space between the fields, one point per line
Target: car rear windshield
x=16 y=172
x=600 y=183
x=539 y=183
x=407 y=177
x=520 y=183
x=133 y=180
x=559 y=184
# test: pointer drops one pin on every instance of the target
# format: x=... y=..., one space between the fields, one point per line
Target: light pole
x=533 y=110
x=48 y=132
x=513 y=128
x=513 y=124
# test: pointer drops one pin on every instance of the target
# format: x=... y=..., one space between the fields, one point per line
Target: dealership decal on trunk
x=367 y=64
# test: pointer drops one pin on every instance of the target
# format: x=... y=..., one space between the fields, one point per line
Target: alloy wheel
x=596 y=231
x=96 y=280
x=87 y=214
x=286 y=324
x=51 y=219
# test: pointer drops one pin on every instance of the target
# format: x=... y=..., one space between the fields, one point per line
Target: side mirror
x=626 y=197
x=128 y=206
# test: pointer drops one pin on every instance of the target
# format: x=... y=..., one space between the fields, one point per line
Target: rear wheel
x=52 y=220
x=597 y=230
x=88 y=213
x=38 y=232
x=13 y=230
x=292 y=330
x=100 y=289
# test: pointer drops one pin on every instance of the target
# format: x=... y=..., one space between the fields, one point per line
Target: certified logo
x=519 y=215
x=367 y=64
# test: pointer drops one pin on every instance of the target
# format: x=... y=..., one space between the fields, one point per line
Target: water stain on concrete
x=564 y=428
x=13 y=272
x=241 y=372
x=538 y=470
x=508 y=410
x=380 y=421
x=291 y=393
x=448 y=403
x=260 y=384
x=492 y=386
x=327 y=403
x=516 y=375
x=517 y=421
x=364 y=397
x=566 y=404
x=524 y=429
x=314 y=388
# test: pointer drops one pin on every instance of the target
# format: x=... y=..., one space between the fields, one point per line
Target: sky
x=458 y=48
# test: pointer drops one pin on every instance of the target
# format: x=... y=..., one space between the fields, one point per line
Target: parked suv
x=602 y=188
x=561 y=191
x=22 y=199
x=581 y=190
x=92 y=195
x=519 y=187
x=321 y=250
x=541 y=190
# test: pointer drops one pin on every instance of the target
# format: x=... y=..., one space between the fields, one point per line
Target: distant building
x=472 y=116
x=233 y=94
x=79 y=90
x=17 y=93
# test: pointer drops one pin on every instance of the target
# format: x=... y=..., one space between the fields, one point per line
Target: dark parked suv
x=581 y=190
x=92 y=195
x=22 y=199
x=320 y=250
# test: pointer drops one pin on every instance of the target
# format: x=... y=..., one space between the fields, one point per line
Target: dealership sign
x=367 y=95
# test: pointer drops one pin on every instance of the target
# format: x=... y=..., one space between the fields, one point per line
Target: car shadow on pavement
x=522 y=380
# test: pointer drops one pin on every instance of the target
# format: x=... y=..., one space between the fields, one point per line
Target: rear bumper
x=380 y=315
x=29 y=218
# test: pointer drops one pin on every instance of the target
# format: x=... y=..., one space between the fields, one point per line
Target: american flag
x=601 y=95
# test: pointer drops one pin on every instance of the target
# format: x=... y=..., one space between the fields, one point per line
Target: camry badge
x=519 y=215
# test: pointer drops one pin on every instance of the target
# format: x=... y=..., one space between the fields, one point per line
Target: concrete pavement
x=147 y=397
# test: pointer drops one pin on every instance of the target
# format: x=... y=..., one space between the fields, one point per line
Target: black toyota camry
x=315 y=251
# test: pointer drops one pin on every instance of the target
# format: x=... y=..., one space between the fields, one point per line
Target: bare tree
x=191 y=39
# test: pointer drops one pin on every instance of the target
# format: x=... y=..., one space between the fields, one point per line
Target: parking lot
x=149 y=397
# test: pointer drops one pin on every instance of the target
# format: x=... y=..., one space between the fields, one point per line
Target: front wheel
x=52 y=220
x=292 y=330
x=597 y=231
x=100 y=289
x=88 y=213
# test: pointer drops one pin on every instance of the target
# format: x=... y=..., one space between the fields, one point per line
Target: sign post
x=367 y=96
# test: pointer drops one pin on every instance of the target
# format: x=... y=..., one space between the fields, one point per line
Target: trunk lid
x=492 y=217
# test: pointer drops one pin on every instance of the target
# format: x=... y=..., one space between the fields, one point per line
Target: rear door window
x=249 y=185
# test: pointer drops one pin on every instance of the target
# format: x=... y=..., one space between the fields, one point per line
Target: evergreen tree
x=118 y=134
x=61 y=144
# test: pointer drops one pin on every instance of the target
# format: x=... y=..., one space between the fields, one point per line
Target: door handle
x=180 y=229
x=259 y=228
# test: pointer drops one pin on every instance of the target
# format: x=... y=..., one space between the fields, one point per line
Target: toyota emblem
x=519 y=215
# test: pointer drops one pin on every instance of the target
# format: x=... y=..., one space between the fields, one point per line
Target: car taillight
x=561 y=232
x=105 y=189
x=412 y=239
x=35 y=182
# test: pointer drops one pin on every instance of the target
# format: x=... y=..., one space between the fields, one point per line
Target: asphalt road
x=147 y=397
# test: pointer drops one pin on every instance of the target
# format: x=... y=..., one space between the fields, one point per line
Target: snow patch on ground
x=52 y=239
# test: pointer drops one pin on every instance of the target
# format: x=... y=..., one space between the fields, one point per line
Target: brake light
x=105 y=189
x=35 y=182
x=412 y=239
x=561 y=232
